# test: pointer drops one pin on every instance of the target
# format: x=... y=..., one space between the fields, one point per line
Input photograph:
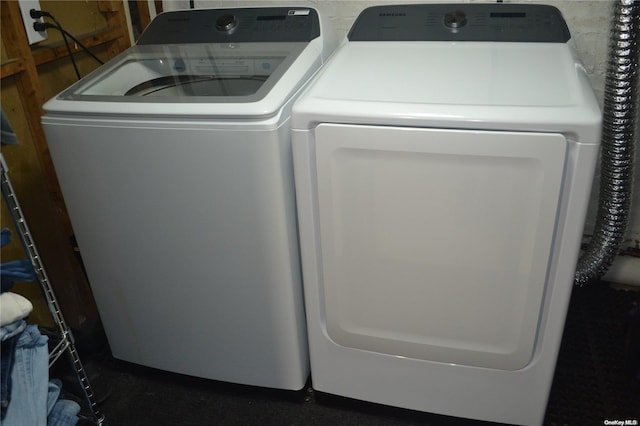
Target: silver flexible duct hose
x=618 y=138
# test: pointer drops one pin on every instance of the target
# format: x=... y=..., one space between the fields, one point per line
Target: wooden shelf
x=59 y=50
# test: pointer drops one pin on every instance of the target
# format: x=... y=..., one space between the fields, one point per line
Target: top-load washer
x=175 y=165
x=443 y=161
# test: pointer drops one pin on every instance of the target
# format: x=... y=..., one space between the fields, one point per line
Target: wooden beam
x=65 y=273
x=13 y=67
x=143 y=14
x=109 y=5
x=115 y=14
x=59 y=50
x=17 y=47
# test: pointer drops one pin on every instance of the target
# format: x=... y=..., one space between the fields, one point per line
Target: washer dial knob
x=226 y=23
x=455 y=19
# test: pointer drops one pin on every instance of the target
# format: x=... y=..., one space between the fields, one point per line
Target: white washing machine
x=443 y=161
x=175 y=164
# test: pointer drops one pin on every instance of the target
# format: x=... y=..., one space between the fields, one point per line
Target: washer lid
x=179 y=73
x=224 y=62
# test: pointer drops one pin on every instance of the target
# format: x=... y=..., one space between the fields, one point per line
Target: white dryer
x=443 y=162
x=175 y=164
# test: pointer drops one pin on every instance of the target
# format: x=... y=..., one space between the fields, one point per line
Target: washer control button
x=455 y=19
x=226 y=23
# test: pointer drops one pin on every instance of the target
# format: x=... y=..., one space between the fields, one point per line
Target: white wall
x=588 y=22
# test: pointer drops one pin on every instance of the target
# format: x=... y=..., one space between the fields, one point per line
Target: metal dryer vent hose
x=617 y=147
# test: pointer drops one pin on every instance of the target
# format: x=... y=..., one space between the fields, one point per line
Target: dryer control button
x=455 y=19
x=226 y=23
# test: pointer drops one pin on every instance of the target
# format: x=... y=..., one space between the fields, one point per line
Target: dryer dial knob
x=455 y=19
x=226 y=23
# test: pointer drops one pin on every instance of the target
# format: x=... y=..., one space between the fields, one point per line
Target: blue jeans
x=61 y=412
x=9 y=337
x=29 y=380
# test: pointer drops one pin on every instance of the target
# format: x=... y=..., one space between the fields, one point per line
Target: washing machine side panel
x=189 y=240
x=302 y=144
x=395 y=207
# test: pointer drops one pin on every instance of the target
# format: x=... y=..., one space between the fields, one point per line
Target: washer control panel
x=240 y=25
x=461 y=22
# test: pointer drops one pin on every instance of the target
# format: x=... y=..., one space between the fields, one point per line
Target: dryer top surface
x=482 y=85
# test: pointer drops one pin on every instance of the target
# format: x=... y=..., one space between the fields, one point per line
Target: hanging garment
x=16 y=270
x=7 y=136
x=5 y=237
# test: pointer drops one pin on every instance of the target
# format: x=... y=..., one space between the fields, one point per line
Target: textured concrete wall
x=588 y=21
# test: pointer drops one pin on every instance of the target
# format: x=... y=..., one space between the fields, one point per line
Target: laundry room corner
x=47 y=304
x=31 y=74
x=591 y=33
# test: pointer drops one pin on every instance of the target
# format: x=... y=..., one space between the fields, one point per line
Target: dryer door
x=436 y=243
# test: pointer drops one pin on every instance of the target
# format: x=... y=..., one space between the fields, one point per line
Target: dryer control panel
x=461 y=22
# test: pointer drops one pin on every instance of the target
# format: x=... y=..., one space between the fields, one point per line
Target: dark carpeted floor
x=593 y=383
